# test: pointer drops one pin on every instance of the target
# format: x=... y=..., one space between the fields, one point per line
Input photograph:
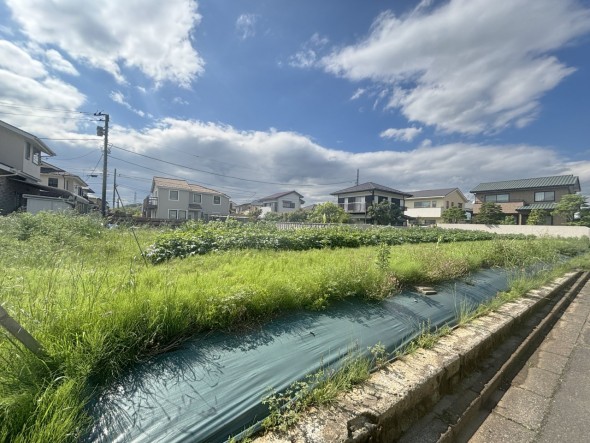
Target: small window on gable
x=28 y=151
x=36 y=157
x=173 y=195
x=288 y=204
x=216 y=200
x=52 y=182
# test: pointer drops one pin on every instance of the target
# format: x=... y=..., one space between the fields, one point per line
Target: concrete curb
x=385 y=406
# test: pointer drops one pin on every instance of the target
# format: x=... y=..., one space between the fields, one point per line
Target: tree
x=273 y=217
x=386 y=213
x=297 y=216
x=254 y=213
x=508 y=220
x=453 y=215
x=489 y=214
x=537 y=217
x=569 y=206
x=328 y=213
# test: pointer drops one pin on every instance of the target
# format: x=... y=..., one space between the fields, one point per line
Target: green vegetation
x=537 y=217
x=574 y=208
x=386 y=213
x=454 y=215
x=200 y=238
x=87 y=295
x=489 y=214
x=328 y=213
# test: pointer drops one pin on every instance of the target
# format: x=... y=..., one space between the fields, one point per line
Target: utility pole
x=114 y=187
x=100 y=131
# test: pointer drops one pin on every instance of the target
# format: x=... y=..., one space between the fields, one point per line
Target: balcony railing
x=359 y=207
x=150 y=203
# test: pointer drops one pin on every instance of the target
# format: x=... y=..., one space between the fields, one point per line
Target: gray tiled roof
x=545 y=206
x=432 y=193
x=530 y=183
x=370 y=186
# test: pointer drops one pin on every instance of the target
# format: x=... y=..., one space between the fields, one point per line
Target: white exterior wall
x=37 y=204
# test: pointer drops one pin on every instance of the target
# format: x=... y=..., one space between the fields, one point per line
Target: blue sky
x=253 y=98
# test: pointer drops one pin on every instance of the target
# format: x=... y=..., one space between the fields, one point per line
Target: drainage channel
x=212 y=388
x=459 y=414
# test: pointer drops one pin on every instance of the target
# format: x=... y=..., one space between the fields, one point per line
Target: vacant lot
x=97 y=305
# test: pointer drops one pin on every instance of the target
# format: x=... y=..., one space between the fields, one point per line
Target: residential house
x=175 y=199
x=58 y=178
x=356 y=200
x=427 y=206
x=280 y=202
x=20 y=167
x=519 y=197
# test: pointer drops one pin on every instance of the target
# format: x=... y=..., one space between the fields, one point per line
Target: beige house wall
x=540 y=231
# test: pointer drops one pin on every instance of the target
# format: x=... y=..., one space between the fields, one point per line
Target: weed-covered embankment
x=87 y=295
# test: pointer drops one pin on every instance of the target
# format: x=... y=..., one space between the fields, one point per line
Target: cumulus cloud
x=405 y=134
x=246 y=25
x=468 y=66
x=149 y=35
x=26 y=84
x=274 y=160
x=309 y=53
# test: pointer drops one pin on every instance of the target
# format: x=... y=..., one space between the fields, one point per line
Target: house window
x=197 y=198
x=216 y=200
x=460 y=205
x=182 y=214
x=447 y=204
x=422 y=204
x=547 y=196
x=172 y=214
x=452 y=204
x=434 y=203
x=28 y=151
x=380 y=199
x=173 y=195
x=52 y=182
x=497 y=198
x=288 y=204
x=36 y=157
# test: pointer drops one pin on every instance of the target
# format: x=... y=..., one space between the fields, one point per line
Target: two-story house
x=356 y=200
x=427 y=206
x=281 y=202
x=519 y=197
x=57 y=178
x=175 y=199
x=20 y=167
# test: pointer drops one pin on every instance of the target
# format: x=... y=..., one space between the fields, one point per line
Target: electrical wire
x=12 y=105
x=224 y=175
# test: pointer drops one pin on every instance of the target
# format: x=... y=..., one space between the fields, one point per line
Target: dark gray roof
x=370 y=186
x=432 y=192
x=530 y=183
x=278 y=195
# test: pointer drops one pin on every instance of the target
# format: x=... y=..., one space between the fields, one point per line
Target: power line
x=12 y=105
x=50 y=116
x=86 y=139
x=224 y=175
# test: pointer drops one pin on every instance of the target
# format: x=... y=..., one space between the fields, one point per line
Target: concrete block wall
x=539 y=231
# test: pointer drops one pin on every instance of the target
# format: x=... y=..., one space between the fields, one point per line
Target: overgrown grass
x=87 y=295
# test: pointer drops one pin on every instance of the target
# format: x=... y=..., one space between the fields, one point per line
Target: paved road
x=549 y=400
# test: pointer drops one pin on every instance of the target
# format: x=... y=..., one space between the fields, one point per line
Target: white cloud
x=308 y=55
x=150 y=35
x=292 y=161
x=57 y=62
x=179 y=101
x=405 y=134
x=118 y=97
x=32 y=98
x=246 y=25
x=468 y=66
x=358 y=93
